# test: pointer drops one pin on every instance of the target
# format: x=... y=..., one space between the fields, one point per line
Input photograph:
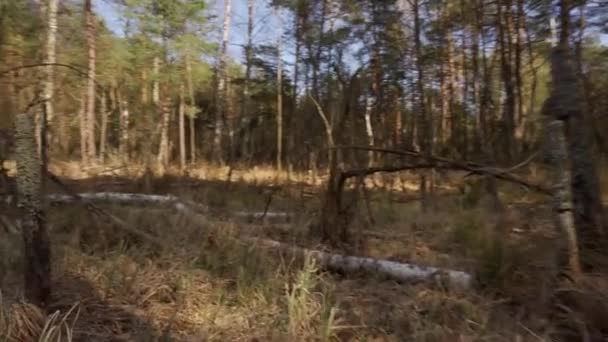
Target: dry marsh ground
x=205 y=284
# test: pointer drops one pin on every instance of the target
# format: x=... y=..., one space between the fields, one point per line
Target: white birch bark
x=221 y=84
x=50 y=58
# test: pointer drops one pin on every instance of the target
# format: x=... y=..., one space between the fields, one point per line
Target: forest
x=303 y=170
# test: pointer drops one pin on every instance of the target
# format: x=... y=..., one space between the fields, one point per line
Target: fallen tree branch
x=389 y=169
x=119 y=223
x=393 y=270
x=259 y=215
x=436 y=162
x=349 y=264
x=115 y=197
x=142 y=199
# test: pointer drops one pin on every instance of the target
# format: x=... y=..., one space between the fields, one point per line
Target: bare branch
x=445 y=163
x=328 y=128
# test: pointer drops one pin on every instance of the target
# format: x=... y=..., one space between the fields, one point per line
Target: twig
x=268 y=201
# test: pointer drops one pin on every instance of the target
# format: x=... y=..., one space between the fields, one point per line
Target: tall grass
x=23 y=322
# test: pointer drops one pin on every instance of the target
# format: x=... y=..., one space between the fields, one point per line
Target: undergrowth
x=207 y=284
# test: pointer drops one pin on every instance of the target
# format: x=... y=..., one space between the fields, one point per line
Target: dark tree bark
x=30 y=194
x=567 y=104
x=509 y=106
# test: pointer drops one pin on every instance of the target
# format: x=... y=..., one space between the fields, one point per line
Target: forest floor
x=206 y=284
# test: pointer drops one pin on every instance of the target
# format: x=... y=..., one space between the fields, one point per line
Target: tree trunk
x=478 y=30
x=566 y=102
x=104 y=127
x=222 y=79
x=562 y=197
x=448 y=118
x=520 y=22
x=163 y=149
x=279 y=94
x=508 y=116
x=296 y=78
x=82 y=116
x=182 y=129
x=390 y=269
x=192 y=111
x=31 y=200
x=123 y=108
x=50 y=58
x=90 y=109
x=425 y=131
x=155 y=84
x=464 y=100
x=245 y=101
x=369 y=129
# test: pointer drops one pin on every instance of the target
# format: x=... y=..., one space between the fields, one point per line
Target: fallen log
x=115 y=197
x=408 y=273
x=349 y=264
x=147 y=199
x=114 y=220
x=273 y=216
x=127 y=198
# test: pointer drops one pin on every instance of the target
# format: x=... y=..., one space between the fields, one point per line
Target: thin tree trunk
x=82 y=116
x=37 y=281
x=463 y=117
x=279 y=94
x=182 y=129
x=369 y=129
x=221 y=85
x=155 y=84
x=90 y=112
x=191 y=114
x=163 y=149
x=486 y=93
x=478 y=30
x=50 y=58
x=123 y=108
x=244 y=134
x=296 y=78
x=520 y=22
x=534 y=72
x=144 y=85
x=150 y=124
x=508 y=116
x=104 y=127
x=450 y=125
x=425 y=131
x=316 y=58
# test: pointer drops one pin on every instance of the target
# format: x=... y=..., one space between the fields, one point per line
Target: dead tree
x=566 y=104
x=30 y=198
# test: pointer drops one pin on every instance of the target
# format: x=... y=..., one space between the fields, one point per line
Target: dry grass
x=207 y=285
x=23 y=322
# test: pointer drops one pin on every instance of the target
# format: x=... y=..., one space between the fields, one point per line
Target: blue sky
x=263 y=29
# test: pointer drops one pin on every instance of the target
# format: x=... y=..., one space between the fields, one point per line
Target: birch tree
x=50 y=58
x=37 y=282
x=89 y=117
x=222 y=79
